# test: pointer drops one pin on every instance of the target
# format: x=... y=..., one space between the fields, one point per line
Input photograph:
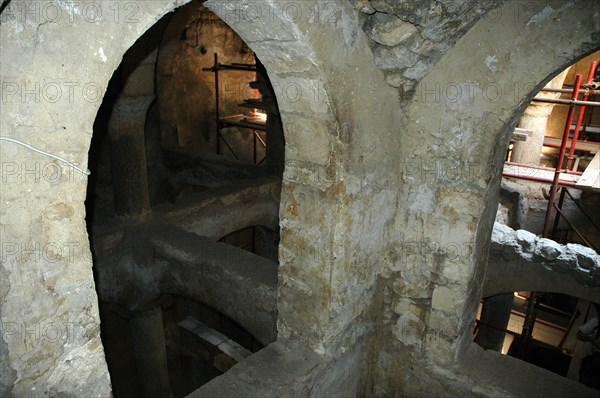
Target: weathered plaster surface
x=461 y=113
x=338 y=146
x=59 y=66
x=388 y=198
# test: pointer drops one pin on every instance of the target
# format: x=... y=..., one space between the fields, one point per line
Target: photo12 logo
x=470 y=92
x=50 y=172
x=53 y=332
x=50 y=252
x=50 y=91
x=70 y=12
x=256 y=12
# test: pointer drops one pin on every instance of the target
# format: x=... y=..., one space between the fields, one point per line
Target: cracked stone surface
x=519 y=260
x=381 y=155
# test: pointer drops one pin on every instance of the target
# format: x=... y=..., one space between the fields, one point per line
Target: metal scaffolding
x=565 y=175
x=254 y=123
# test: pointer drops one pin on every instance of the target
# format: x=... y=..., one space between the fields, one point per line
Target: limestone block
x=409 y=329
x=526 y=239
x=548 y=249
x=77 y=370
x=444 y=299
x=391 y=30
x=502 y=233
x=510 y=251
x=405 y=306
x=394 y=58
x=363 y=6
x=402 y=288
x=586 y=257
x=565 y=262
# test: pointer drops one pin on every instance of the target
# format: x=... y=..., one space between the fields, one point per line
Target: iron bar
x=563 y=148
x=555 y=311
x=540 y=321
x=218 y=105
x=228 y=146
x=583 y=211
x=592 y=86
x=585 y=98
x=561 y=201
x=264 y=144
x=528 y=323
x=537 y=167
x=573 y=227
x=571 y=102
x=586 y=146
x=480 y=322
x=570 y=90
x=253 y=147
x=576 y=315
x=541 y=179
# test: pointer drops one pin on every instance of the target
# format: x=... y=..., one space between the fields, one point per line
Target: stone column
x=158 y=182
x=495 y=315
x=127 y=125
x=147 y=334
x=128 y=155
x=275 y=151
x=535 y=118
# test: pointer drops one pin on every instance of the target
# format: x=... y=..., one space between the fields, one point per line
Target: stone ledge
x=526 y=248
x=283 y=369
x=493 y=374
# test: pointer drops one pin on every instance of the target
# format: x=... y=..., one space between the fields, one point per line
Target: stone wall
x=58 y=58
x=408 y=38
x=461 y=113
x=388 y=199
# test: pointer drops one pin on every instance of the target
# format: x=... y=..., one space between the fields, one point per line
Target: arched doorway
x=296 y=60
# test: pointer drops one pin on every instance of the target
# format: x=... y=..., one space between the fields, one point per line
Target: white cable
x=85 y=172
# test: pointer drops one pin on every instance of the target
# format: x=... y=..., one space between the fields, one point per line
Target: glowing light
x=259 y=115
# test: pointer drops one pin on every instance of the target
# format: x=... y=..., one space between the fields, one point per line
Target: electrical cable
x=15 y=141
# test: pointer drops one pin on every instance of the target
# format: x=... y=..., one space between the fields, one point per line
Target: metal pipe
x=563 y=148
x=528 y=323
x=531 y=166
x=480 y=322
x=583 y=211
x=585 y=146
x=569 y=327
x=253 y=148
x=561 y=201
x=217 y=106
x=571 y=102
x=573 y=227
x=570 y=90
x=590 y=79
x=555 y=310
x=540 y=179
x=262 y=142
x=540 y=321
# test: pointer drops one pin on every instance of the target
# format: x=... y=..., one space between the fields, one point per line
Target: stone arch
x=514 y=264
x=536 y=278
x=471 y=100
x=318 y=77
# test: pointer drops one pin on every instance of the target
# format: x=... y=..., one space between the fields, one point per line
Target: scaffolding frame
x=254 y=124
x=564 y=177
